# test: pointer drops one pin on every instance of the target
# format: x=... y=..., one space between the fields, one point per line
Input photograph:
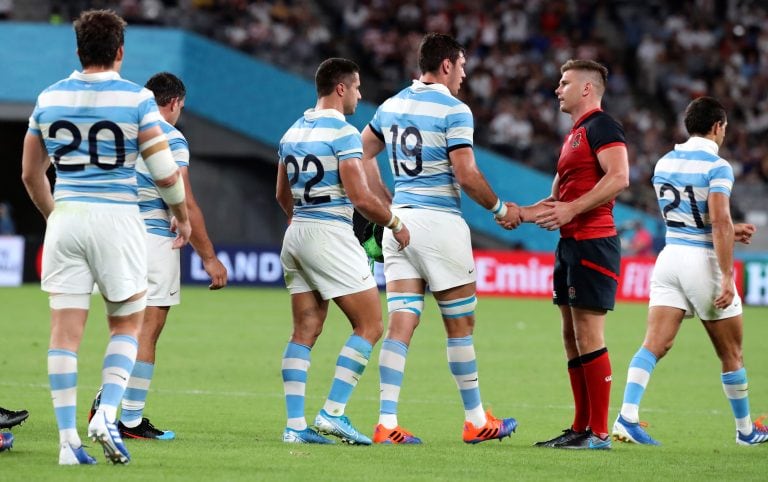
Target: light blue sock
x=463 y=364
x=736 y=388
x=349 y=367
x=62 y=377
x=135 y=396
x=296 y=361
x=391 y=367
x=640 y=368
x=118 y=365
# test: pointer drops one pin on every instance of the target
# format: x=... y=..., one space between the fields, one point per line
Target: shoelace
x=345 y=419
x=150 y=426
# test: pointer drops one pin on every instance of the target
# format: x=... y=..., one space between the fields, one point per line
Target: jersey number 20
x=93 y=148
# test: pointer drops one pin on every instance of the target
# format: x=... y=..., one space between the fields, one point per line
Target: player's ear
x=120 y=53
x=446 y=66
x=340 y=87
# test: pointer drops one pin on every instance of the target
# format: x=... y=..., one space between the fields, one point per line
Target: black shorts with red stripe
x=587 y=272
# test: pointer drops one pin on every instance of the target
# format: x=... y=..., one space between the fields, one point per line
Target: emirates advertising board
x=520 y=273
x=499 y=273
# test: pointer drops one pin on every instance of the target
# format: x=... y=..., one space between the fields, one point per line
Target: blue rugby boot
x=625 y=431
x=759 y=434
x=306 y=436
x=340 y=427
x=6 y=441
x=69 y=455
x=108 y=435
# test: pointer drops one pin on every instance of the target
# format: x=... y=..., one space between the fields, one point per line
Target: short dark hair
x=436 y=47
x=703 y=113
x=331 y=72
x=590 y=65
x=100 y=33
x=166 y=87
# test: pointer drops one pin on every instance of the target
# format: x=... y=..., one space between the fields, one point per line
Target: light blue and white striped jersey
x=683 y=180
x=312 y=150
x=90 y=125
x=420 y=126
x=154 y=210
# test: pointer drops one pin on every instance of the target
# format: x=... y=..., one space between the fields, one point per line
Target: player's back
x=420 y=126
x=311 y=151
x=90 y=125
x=153 y=209
x=683 y=180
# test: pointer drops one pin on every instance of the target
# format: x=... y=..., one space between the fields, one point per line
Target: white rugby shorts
x=95 y=242
x=324 y=257
x=440 y=251
x=688 y=277
x=163 y=271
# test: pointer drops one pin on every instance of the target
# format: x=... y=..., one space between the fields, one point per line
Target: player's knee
x=373 y=331
x=306 y=334
x=659 y=349
x=405 y=303
x=63 y=301
x=125 y=308
x=458 y=308
x=731 y=358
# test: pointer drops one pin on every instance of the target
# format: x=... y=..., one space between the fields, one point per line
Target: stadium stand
x=660 y=55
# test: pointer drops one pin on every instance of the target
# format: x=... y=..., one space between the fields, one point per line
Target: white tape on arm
x=161 y=165
x=499 y=210
x=173 y=194
x=158 y=157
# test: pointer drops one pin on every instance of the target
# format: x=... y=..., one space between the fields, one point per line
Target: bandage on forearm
x=173 y=194
x=158 y=158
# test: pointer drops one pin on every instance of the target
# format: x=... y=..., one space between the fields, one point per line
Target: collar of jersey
x=418 y=85
x=581 y=119
x=312 y=114
x=697 y=143
x=95 y=77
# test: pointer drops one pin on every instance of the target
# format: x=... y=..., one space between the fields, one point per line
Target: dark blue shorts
x=587 y=272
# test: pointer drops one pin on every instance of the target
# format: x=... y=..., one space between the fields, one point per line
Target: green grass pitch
x=218 y=385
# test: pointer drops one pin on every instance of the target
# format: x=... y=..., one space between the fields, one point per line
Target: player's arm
x=528 y=214
x=283 y=191
x=372 y=146
x=199 y=238
x=356 y=186
x=157 y=155
x=476 y=186
x=34 y=164
x=615 y=165
x=723 y=235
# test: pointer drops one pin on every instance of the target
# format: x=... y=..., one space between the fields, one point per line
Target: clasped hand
x=512 y=219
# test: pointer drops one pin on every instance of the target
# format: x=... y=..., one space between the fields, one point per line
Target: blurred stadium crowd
x=660 y=54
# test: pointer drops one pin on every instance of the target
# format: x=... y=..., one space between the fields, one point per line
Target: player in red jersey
x=592 y=170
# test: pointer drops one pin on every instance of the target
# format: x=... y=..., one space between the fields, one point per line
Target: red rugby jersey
x=579 y=171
